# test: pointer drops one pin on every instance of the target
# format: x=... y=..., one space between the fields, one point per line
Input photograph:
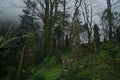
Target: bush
x=47 y=70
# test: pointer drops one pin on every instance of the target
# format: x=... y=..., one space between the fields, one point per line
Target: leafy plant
x=47 y=70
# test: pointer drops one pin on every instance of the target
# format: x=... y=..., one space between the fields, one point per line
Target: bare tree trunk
x=50 y=19
x=20 y=63
x=64 y=7
x=46 y=27
x=109 y=18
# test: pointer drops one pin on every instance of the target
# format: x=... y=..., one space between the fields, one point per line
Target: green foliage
x=53 y=74
x=45 y=74
x=96 y=66
x=49 y=62
x=90 y=67
x=104 y=55
x=47 y=70
x=65 y=55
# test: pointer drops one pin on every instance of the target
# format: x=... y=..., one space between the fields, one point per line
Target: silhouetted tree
x=28 y=19
x=96 y=33
x=109 y=10
x=118 y=34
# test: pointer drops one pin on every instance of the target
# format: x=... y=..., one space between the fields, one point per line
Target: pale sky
x=13 y=8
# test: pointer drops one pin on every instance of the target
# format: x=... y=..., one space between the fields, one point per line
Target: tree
x=28 y=23
x=109 y=10
x=87 y=13
x=110 y=19
x=64 y=18
x=9 y=49
x=75 y=29
x=28 y=26
x=58 y=35
x=46 y=11
x=75 y=38
x=96 y=35
x=49 y=23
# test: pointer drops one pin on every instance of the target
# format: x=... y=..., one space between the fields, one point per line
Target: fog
x=11 y=9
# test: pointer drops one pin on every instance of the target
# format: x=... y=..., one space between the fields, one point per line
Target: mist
x=12 y=9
